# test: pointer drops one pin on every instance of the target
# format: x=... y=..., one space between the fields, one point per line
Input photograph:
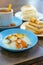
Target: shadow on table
x=20 y=54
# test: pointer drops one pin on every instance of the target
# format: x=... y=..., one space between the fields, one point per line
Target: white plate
x=23 y=27
x=19 y=15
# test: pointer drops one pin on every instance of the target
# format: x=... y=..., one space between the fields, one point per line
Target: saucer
x=15 y=21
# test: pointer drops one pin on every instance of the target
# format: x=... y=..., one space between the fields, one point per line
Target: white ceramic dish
x=19 y=15
x=23 y=27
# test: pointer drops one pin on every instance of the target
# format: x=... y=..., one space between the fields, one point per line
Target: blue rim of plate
x=33 y=38
x=16 y=20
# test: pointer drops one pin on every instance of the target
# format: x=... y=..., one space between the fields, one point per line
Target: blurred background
x=16 y=4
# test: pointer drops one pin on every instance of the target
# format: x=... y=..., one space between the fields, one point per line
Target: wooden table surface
x=30 y=56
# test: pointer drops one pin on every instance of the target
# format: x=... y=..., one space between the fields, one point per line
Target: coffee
x=4 y=10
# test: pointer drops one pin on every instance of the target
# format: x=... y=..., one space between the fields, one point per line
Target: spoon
x=9 y=7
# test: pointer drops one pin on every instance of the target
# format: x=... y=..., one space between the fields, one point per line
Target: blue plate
x=15 y=20
x=33 y=38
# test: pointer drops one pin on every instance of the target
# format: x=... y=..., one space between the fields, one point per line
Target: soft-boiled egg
x=13 y=38
x=6 y=41
x=26 y=39
x=16 y=41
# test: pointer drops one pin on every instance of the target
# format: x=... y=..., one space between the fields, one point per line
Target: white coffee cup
x=6 y=17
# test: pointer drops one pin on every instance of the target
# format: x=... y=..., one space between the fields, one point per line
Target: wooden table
x=35 y=54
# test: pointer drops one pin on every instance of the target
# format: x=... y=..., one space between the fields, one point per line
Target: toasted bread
x=33 y=29
x=34 y=24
